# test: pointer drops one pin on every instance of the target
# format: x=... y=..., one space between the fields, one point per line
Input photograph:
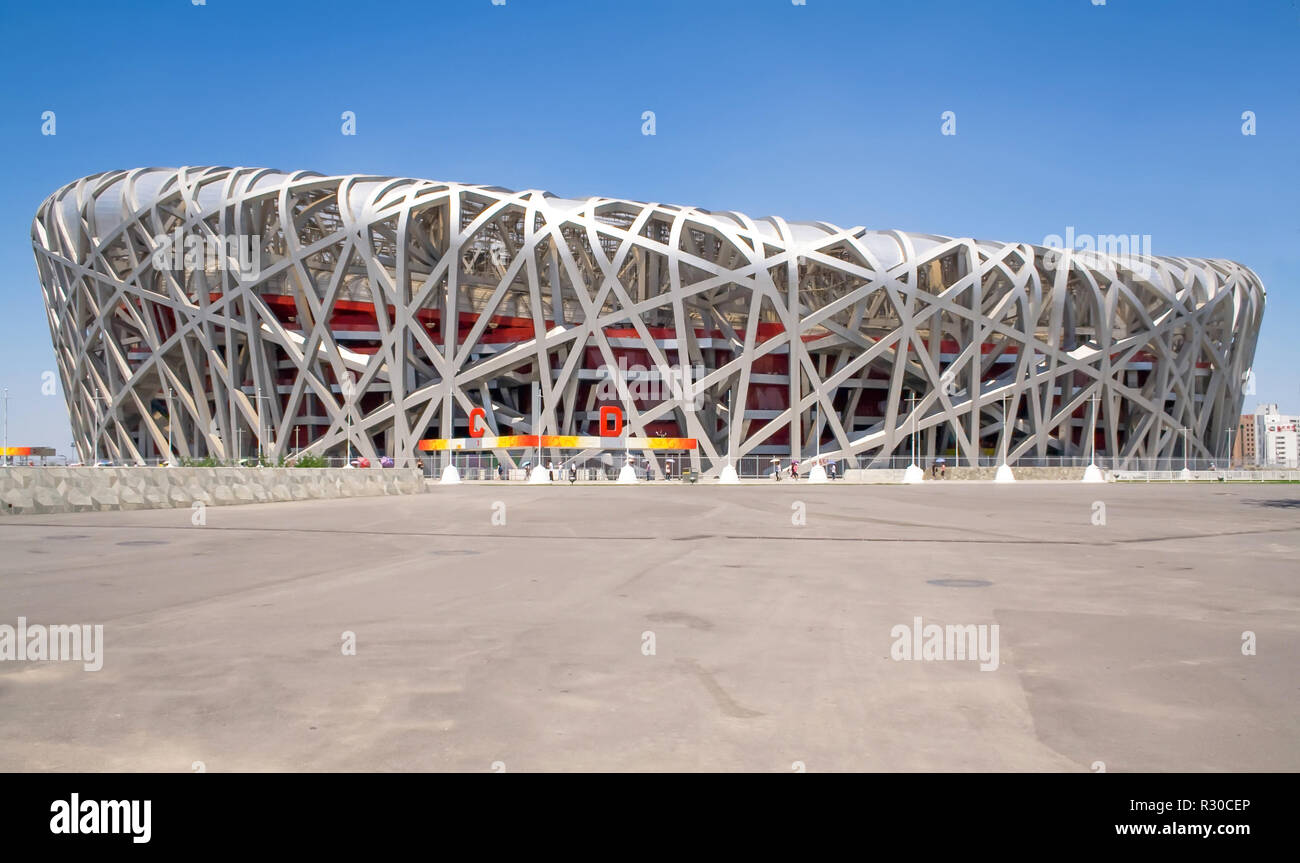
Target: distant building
x=1267 y=438
x=1277 y=444
x=1245 y=449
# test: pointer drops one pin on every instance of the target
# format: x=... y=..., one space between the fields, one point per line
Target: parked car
x=360 y=461
x=385 y=462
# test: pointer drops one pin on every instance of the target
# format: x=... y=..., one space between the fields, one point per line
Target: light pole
x=261 y=448
x=170 y=422
x=95 y=400
x=1184 y=430
x=536 y=430
x=6 y=457
x=911 y=410
x=912 y=473
x=730 y=425
x=817 y=430
x=1006 y=427
x=1092 y=431
x=348 y=389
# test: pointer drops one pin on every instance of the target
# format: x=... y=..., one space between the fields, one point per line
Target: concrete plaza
x=1121 y=611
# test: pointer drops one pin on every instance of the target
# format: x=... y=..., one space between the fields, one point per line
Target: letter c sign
x=476 y=430
x=611 y=415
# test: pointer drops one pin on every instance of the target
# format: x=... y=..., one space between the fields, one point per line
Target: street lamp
x=95 y=400
x=171 y=420
x=261 y=449
x=913 y=473
x=911 y=410
x=1006 y=427
x=347 y=387
x=1092 y=431
x=817 y=430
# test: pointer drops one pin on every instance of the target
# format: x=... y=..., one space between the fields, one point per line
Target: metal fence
x=606 y=466
x=1263 y=475
x=483 y=465
x=595 y=468
x=763 y=465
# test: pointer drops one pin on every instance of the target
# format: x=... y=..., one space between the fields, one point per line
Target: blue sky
x=1115 y=119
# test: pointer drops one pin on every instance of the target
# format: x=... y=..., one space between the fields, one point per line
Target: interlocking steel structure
x=361 y=314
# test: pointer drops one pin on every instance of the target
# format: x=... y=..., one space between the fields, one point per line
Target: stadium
x=226 y=313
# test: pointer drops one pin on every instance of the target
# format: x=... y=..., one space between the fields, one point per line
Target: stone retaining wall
x=878 y=475
x=1072 y=474
x=83 y=489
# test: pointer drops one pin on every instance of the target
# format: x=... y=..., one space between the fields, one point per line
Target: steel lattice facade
x=380 y=311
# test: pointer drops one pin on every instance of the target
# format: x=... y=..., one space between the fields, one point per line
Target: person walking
x=794 y=469
x=550 y=471
x=501 y=471
x=668 y=469
x=830 y=470
x=573 y=474
x=649 y=477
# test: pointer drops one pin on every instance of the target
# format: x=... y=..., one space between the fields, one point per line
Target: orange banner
x=556 y=442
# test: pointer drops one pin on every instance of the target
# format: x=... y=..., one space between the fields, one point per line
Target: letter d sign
x=611 y=416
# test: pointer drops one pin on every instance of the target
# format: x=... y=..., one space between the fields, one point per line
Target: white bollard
x=627 y=476
x=539 y=476
x=913 y=474
x=728 y=476
x=817 y=474
x=1093 y=474
x=450 y=476
x=1004 y=474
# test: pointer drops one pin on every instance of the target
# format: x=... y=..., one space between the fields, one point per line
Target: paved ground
x=523 y=643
